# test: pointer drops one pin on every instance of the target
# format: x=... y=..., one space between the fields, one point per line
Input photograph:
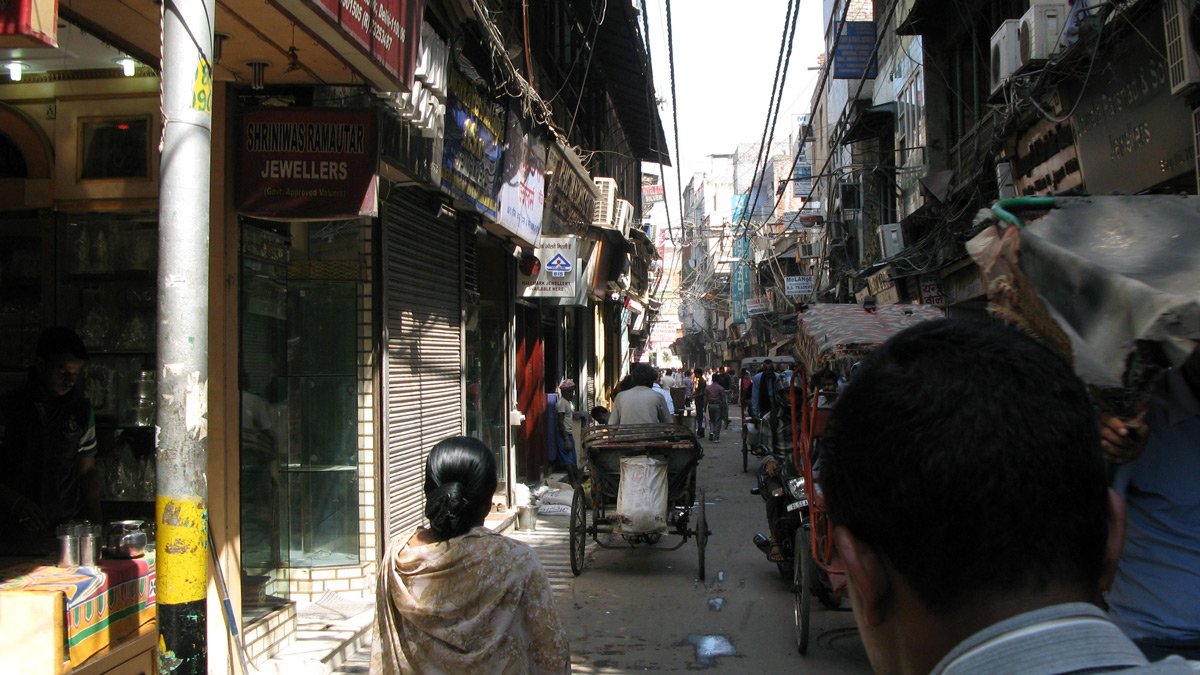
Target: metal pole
x=182 y=418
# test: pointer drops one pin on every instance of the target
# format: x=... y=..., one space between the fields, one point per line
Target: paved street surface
x=641 y=609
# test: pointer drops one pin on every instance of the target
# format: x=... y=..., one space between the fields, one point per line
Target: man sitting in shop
x=640 y=404
x=48 y=447
x=963 y=474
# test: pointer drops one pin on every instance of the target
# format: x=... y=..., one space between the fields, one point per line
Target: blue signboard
x=854 y=58
x=739 y=207
x=739 y=283
x=472 y=151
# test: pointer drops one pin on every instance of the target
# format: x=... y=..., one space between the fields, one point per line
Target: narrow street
x=640 y=609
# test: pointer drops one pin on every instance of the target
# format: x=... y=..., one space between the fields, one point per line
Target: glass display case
x=300 y=284
x=106 y=291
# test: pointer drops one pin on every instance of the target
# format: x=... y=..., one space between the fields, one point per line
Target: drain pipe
x=182 y=413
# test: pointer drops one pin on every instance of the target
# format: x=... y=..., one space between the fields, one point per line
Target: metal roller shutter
x=422 y=259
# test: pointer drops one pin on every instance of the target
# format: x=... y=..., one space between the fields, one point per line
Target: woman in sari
x=456 y=597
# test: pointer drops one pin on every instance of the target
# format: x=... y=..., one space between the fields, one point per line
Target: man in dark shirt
x=48 y=446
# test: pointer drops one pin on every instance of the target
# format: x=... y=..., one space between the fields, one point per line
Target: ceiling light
x=257 y=68
x=127 y=65
x=15 y=68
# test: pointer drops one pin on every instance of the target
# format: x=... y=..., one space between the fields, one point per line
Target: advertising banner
x=739 y=283
x=306 y=163
x=388 y=31
x=473 y=150
x=523 y=188
x=801 y=285
x=558 y=271
x=755 y=306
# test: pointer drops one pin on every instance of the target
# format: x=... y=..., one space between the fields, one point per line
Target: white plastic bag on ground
x=557 y=496
x=642 y=496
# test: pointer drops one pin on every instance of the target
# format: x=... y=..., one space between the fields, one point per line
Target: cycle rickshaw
x=677 y=448
x=831 y=337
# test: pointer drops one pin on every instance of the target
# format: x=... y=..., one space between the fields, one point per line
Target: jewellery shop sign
x=307 y=163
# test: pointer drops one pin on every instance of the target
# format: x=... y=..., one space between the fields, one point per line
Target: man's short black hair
x=644 y=375
x=60 y=341
x=968 y=456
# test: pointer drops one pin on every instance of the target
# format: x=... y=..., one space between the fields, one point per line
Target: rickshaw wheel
x=578 y=531
x=701 y=534
x=803 y=573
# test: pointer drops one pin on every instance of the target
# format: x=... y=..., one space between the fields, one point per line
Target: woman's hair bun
x=460 y=479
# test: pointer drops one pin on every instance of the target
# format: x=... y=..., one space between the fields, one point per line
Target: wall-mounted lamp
x=15 y=69
x=128 y=66
x=446 y=214
x=219 y=45
x=257 y=69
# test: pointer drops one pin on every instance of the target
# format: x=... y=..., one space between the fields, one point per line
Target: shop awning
x=871 y=122
x=1112 y=271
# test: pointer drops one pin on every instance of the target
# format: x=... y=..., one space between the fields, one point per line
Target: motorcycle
x=782 y=486
x=785 y=492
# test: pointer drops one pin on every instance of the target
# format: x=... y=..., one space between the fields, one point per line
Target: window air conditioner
x=623 y=217
x=1181 y=23
x=1041 y=31
x=1006 y=56
x=891 y=239
x=603 y=215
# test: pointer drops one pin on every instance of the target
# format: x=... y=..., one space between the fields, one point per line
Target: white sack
x=642 y=496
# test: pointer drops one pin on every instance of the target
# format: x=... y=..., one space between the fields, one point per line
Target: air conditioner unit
x=1181 y=24
x=606 y=202
x=1041 y=31
x=623 y=217
x=891 y=239
x=1006 y=54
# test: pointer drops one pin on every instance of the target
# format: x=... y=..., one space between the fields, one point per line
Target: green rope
x=1002 y=207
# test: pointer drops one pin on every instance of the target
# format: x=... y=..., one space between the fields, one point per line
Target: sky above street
x=725 y=59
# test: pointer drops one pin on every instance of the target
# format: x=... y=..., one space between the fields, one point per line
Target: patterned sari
x=477 y=603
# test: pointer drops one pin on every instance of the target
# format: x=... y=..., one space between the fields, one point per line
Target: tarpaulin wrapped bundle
x=642 y=495
x=1117 y=275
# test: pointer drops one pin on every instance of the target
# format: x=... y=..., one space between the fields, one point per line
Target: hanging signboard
x=855 y=55
x=558 y=269
x=306 y=163
x=570 y=193
x=755 y=306
x=523 y=186
x=801 y=285
x=931 y=291
x=739 y=283
x=472 y=153
x=28 y=23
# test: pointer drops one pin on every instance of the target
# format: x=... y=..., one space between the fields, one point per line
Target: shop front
x=306 y=197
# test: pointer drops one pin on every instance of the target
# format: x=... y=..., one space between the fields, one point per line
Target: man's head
x=61 y=356
x=566 y=387
x=644 y=375
x=768 y=366
x=962 y=470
